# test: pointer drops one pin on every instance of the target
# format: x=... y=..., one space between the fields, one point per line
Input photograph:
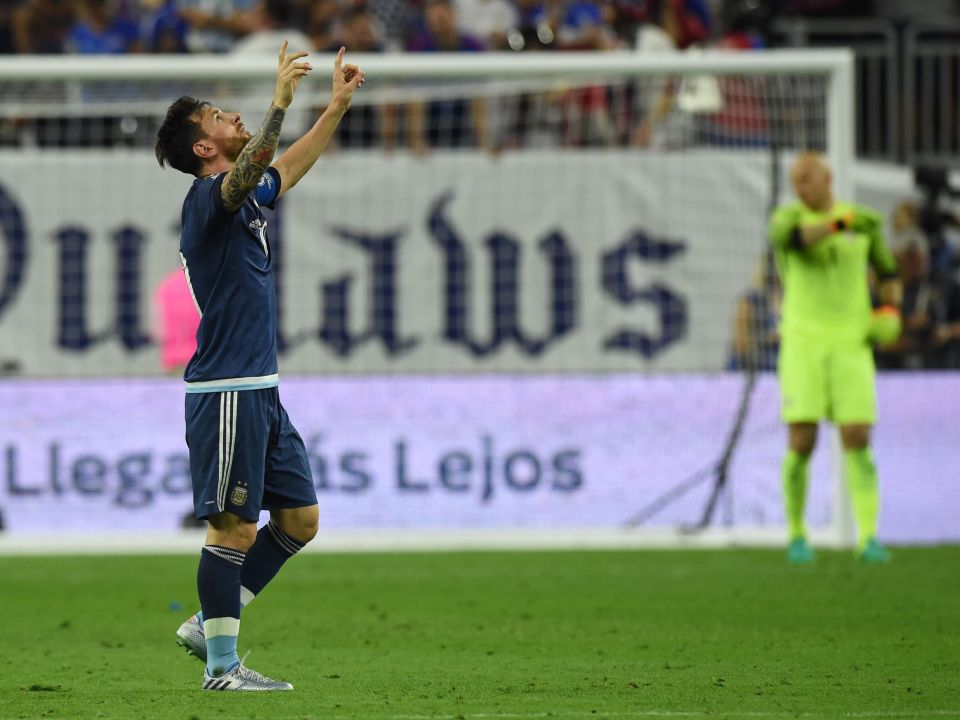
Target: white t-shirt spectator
x=652 y=38
x=207 y=40
x=485 y=18
x=268 y=42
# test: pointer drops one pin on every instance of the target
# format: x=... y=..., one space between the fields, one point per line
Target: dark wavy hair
x=180 y=130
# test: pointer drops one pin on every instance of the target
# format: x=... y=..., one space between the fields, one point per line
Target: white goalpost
x=526 y=300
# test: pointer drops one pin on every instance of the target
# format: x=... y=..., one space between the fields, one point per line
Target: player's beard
x=238 y=144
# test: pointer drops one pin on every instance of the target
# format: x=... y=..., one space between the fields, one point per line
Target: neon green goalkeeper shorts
x=823 y=381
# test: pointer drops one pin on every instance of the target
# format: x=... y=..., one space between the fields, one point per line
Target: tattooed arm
x=302 y=155
x=255 y=157
x=253 y=161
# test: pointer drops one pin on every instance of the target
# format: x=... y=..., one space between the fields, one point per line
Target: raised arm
x=255 y=157
x=302 y=155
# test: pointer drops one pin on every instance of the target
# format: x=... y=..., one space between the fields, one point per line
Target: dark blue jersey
x=227 y=262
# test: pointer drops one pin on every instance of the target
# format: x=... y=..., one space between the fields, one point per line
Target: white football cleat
x=243 y=679
x=190 y=636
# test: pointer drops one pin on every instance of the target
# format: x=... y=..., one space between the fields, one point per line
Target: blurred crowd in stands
x=221 y=26
x=637 y=113
x=926 y=242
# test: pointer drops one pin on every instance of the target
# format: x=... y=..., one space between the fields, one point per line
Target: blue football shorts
x=245 y=454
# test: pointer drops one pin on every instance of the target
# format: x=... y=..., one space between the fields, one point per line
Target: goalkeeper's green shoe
x=799 y=552
x=874 y=553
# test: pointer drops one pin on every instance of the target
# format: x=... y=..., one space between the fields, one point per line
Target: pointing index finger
x=339 y=61
x=283 y=50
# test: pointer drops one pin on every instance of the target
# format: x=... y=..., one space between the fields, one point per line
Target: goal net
x=517 y=293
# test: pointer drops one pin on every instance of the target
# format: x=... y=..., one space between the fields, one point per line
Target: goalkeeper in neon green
x=824 y=249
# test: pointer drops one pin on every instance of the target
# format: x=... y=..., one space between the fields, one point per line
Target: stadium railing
x=876 y=46
x=931 y=82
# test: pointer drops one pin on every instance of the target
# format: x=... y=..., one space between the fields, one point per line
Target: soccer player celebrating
x=823 y=248
x=245 y=455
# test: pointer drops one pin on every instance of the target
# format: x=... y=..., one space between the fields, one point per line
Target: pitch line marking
x=599 y=715
x=669 y=713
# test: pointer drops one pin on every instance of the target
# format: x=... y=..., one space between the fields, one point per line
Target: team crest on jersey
x=238 y=496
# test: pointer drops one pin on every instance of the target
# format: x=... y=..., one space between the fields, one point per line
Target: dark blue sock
x=218 y=585
x=264 y=560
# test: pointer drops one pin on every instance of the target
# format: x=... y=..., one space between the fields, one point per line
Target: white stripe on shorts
x=228 y=433
x=233 y=441
x=220 y=454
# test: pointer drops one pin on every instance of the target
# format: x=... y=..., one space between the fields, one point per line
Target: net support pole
x=841 y=141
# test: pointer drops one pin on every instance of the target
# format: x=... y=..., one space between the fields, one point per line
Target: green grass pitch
x=498 y=635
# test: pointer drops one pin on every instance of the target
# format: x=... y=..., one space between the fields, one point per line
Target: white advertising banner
x=498 y=452
x=457 y=262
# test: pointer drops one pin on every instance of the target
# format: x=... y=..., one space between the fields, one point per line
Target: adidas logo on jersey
x=259 y=227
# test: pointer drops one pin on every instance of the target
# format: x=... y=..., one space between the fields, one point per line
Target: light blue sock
x=218 y=585
x=222 y=646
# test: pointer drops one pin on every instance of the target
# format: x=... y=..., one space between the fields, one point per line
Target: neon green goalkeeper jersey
x=826 y=293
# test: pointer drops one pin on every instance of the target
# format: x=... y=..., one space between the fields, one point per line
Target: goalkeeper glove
x=885 y=325
x=842 y=222
x=857 y=222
